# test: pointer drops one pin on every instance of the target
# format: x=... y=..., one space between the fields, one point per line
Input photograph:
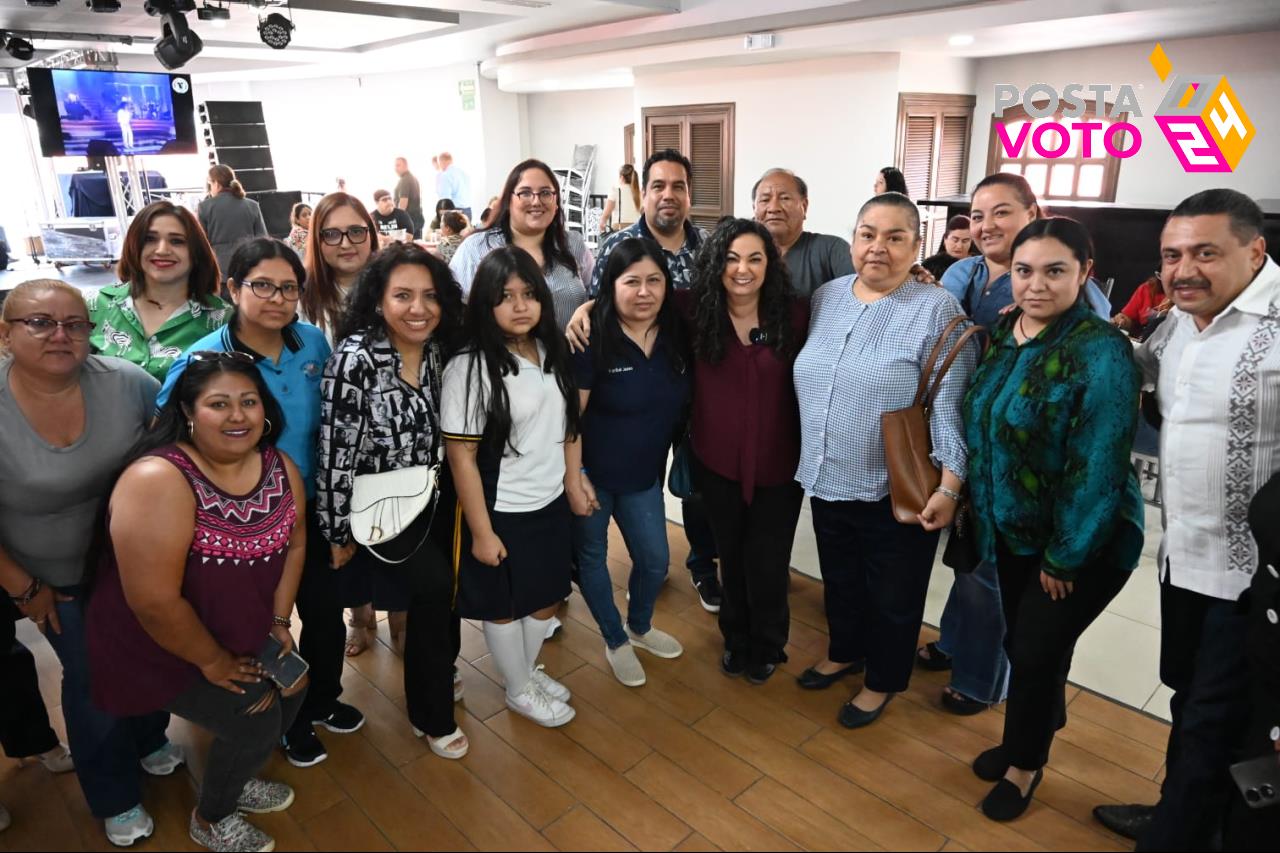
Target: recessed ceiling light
x=960 y=41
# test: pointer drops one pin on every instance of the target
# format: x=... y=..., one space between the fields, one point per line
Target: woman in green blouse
x=1049 y=421
x=167 y=298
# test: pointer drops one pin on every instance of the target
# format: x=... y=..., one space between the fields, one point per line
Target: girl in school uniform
x=509 y=408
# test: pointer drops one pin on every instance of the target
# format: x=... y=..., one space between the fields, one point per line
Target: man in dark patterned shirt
x=666 y=181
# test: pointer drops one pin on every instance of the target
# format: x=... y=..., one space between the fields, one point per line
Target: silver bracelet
x=951 y=493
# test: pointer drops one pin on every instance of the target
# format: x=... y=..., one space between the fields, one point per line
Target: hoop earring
x=267 y=431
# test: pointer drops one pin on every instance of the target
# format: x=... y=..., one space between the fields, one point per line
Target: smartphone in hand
x=284 y=671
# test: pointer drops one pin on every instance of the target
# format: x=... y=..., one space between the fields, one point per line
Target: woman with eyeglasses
x=167 y=298
x=67 y=421
x=530 y=216
x=266 y=281
x=342 y=240
x=203 y=550
x=381 y=413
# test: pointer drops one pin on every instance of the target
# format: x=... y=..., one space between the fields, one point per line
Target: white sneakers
x=626 y=666
x=549 y=685
x=657 y=643
x=126 y=828
x=165 y=760
x=535 y=705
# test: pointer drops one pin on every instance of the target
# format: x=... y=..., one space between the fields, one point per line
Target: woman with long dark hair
x=890 y=180
x=748 y=326
x=167 y=298
x=227 y=216
x=633 y=381
x=381 y=412
x=266 y=280
x=531 y=217
x=204 y=549
x=510 y=406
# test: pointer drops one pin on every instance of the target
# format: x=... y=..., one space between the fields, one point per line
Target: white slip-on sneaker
x=127 y=827
x=549 y=685
x=534 y=705
x=658 y=643
x=626 y=666
x=165 y=760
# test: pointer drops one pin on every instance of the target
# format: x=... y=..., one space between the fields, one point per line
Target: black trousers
x=432 y=641
x=754 y=542
x=1202 y=642
x=1040 y=637
x=24 y=723
x=875 y=573
x=322 y=640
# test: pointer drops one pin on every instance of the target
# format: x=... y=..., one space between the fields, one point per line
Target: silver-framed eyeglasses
x=44 y=327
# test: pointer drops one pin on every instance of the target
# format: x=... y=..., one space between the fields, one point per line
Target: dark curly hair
x=711 y=324
x=362 y=308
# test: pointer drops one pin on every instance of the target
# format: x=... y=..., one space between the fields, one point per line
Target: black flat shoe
x=811 y=679
x=961 y=705
x=937 y=661
x=991 y=765
x=1005 y=802
x=1129 y=821
x=733 y=664
x=761 y=672
x=853 y=717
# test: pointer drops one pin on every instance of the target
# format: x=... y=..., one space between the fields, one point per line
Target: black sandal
x=937 y=661
x=960 y=704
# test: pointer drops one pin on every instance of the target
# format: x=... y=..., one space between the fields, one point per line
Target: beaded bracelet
x=951 y=493
x=282 y=621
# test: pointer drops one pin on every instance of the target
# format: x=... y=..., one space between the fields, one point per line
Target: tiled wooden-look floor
x=691 y=761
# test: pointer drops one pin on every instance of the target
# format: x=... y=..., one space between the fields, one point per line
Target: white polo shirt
x=532 y=475
x=1219 y=395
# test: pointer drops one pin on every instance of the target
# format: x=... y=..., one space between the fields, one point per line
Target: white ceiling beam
x=377 y=10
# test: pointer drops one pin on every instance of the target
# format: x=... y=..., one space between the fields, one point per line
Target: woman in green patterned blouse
x=1049 y=421
x=167 y=298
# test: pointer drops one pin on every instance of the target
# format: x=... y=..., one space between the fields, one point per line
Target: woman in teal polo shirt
x=265 y=280
x=168 y=293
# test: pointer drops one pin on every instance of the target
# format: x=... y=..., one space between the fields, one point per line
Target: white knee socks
x=506 y=643
x=535 y=632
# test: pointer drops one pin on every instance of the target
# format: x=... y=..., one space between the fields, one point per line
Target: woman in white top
x=625 y=199
x=530 y=216
x=508 y=408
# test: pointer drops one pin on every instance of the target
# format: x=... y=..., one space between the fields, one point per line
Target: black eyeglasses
x=544 y=196
x=218 y=355
x=43 y=327
x=333 y=236
x=290 y=290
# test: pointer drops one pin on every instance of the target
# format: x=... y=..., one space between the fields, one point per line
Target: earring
x=267 y=431
x=378 y=310
x=191 y=428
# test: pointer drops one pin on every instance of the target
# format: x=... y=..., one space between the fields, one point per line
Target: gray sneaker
x=127 y=827
x=232 y=834
x=5 y=819
x=165 y=760
x=656 y=642
x=262 y=797
x=626 y=666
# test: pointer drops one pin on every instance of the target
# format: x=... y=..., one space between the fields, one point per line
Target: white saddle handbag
x=384 y=505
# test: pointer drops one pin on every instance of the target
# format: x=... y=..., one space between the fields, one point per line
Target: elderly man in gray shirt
x=781 y=201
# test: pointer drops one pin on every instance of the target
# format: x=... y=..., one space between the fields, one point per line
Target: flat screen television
x=112 y=113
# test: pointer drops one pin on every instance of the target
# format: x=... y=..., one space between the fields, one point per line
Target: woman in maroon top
x=747 y=327
x=205 y=549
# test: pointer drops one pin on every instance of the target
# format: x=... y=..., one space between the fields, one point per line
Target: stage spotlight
x=213 y=13
x=104 y=6
x=20 y=49
x=275 y=30
x=177 y=45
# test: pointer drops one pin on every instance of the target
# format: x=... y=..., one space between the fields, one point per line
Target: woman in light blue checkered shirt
x=869 y=336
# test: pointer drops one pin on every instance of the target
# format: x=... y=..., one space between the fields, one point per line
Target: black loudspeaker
x=276 y=207
x=256 y=180
x=235 y=135
x=243 y=158
x=232 y=112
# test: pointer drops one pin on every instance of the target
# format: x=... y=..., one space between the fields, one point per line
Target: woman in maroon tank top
x=206 y=541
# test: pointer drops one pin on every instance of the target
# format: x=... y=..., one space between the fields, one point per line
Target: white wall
x=832 y=121
x=937 y=75
x=559 y=120
x=1153 y=175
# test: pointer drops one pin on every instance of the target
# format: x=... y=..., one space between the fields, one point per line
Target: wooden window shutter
x=706 y=152
x=933 y=154
x=664 y=136
x=917 y=158
x=704 y=134
x=953 y=155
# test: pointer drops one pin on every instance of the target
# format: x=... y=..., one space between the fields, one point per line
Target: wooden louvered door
x=704 y=134
x=933 y=154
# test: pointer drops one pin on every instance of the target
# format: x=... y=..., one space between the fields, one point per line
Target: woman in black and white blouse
x=381 y=412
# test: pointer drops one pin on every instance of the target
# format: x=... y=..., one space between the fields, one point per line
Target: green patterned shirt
x=118 y=330
x=1049 y=426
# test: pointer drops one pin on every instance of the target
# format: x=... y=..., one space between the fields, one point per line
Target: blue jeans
x=106 y=748
x=642 y=519
x=972 y=634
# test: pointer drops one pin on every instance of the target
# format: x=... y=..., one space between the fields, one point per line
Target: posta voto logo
x=1200 y=116
x=1202 y=119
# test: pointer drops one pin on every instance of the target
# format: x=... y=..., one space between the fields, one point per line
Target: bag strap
x=922 y=387
x=951 y=357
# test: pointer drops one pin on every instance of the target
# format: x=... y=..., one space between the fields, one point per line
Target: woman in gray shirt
x=67 y=419
x=228 y=218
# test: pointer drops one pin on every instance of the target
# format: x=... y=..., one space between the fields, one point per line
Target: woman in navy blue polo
x=634 y=383
x=266 y=280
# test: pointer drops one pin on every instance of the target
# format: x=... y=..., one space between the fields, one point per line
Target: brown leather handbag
x=907 y=445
